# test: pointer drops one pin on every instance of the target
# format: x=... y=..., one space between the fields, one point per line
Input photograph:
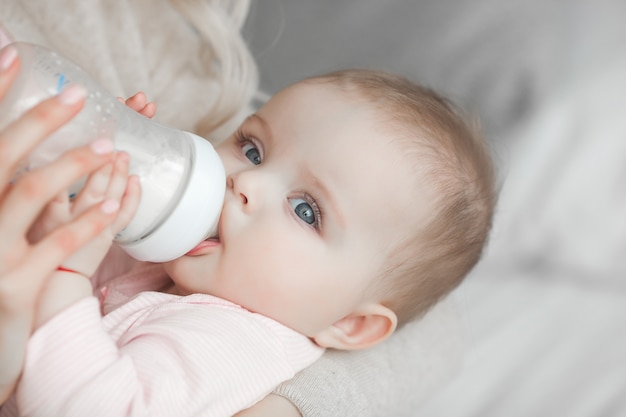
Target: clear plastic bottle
x=182 y=177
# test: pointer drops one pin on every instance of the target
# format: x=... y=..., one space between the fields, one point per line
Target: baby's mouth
x=215 y=238
x=202 y=246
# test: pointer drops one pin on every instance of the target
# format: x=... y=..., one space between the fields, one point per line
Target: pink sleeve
x=181 y=360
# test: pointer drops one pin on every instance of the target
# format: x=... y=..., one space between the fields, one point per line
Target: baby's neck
x=171 y=288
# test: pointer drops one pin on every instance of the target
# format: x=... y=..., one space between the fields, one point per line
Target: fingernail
x=110 y=206
x=123 y=157
x=72 y=94
x=7 y=57
x=102 y=146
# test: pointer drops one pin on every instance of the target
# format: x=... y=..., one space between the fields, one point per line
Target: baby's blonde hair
x=227 y=57
x=453 y=158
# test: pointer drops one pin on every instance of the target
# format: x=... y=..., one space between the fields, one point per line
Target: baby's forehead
x=392 y=186
x=328 y=88
x=357 y=144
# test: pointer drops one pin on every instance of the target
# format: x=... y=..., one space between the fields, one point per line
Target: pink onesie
x=154 y=354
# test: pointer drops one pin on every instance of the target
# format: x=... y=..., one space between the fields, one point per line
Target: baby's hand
x=140 y=104
x=110 y=184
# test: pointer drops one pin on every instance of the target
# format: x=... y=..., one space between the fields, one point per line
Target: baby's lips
x=207 y=243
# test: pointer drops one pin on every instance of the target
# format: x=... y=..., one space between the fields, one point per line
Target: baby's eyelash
x=317 y=210
x=319 y=213
x=244 y=140
x=240 y=136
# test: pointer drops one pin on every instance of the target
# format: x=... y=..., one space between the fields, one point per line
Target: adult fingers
x=56 y=247
x=109 y=182
x=56 y=212
x=24 y=200
x=129 y=204
x=21 y=136
x=94 y=189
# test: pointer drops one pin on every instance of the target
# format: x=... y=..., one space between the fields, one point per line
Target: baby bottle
x=182 y=177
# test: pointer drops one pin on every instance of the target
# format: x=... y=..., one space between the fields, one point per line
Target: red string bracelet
x=63 y=269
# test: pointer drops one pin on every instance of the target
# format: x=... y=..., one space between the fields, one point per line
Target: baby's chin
x=180 y=269
x=171 y=267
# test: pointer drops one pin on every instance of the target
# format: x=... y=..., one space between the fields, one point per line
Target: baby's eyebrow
x=265 y=126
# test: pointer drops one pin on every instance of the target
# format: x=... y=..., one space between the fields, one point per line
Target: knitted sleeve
x=392 y=379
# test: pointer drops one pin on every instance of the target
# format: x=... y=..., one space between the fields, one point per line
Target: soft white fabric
x=563 y=202
x=128 y=46
x=543 y=343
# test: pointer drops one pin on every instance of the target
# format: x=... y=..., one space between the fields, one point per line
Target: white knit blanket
x=139 y=45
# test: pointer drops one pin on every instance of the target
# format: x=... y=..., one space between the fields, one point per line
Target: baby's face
x=316 y=198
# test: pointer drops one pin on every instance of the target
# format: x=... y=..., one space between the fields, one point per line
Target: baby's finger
x=94 y=189
x=137 y=102
x=118 y=187
x=129 y=205
x=26 y=198
x=149 y=110
x=21 y=136
x=109 y=182
x=119 y=177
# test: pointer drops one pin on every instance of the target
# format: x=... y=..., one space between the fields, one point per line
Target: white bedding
x=540 y=345
x=546 y=311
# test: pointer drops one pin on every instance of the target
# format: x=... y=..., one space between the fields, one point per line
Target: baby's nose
x=246 y=187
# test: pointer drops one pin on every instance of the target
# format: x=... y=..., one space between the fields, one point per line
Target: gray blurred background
x=546 y=310
x=498 y=57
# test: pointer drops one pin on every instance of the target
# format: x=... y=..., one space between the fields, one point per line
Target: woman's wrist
x=62 y=289
x=61 y=268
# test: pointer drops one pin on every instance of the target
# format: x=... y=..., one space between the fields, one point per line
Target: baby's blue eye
x=304 y=210
x=252 y=153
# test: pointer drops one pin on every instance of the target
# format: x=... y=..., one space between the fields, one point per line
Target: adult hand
x=24 y=264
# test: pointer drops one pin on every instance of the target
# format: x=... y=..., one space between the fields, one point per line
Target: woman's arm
x=115 y=192
x=25 y=264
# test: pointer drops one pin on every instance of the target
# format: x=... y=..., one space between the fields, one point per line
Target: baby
x=355 y=201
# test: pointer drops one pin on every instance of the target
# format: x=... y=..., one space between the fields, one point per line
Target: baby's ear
x=364 y=328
